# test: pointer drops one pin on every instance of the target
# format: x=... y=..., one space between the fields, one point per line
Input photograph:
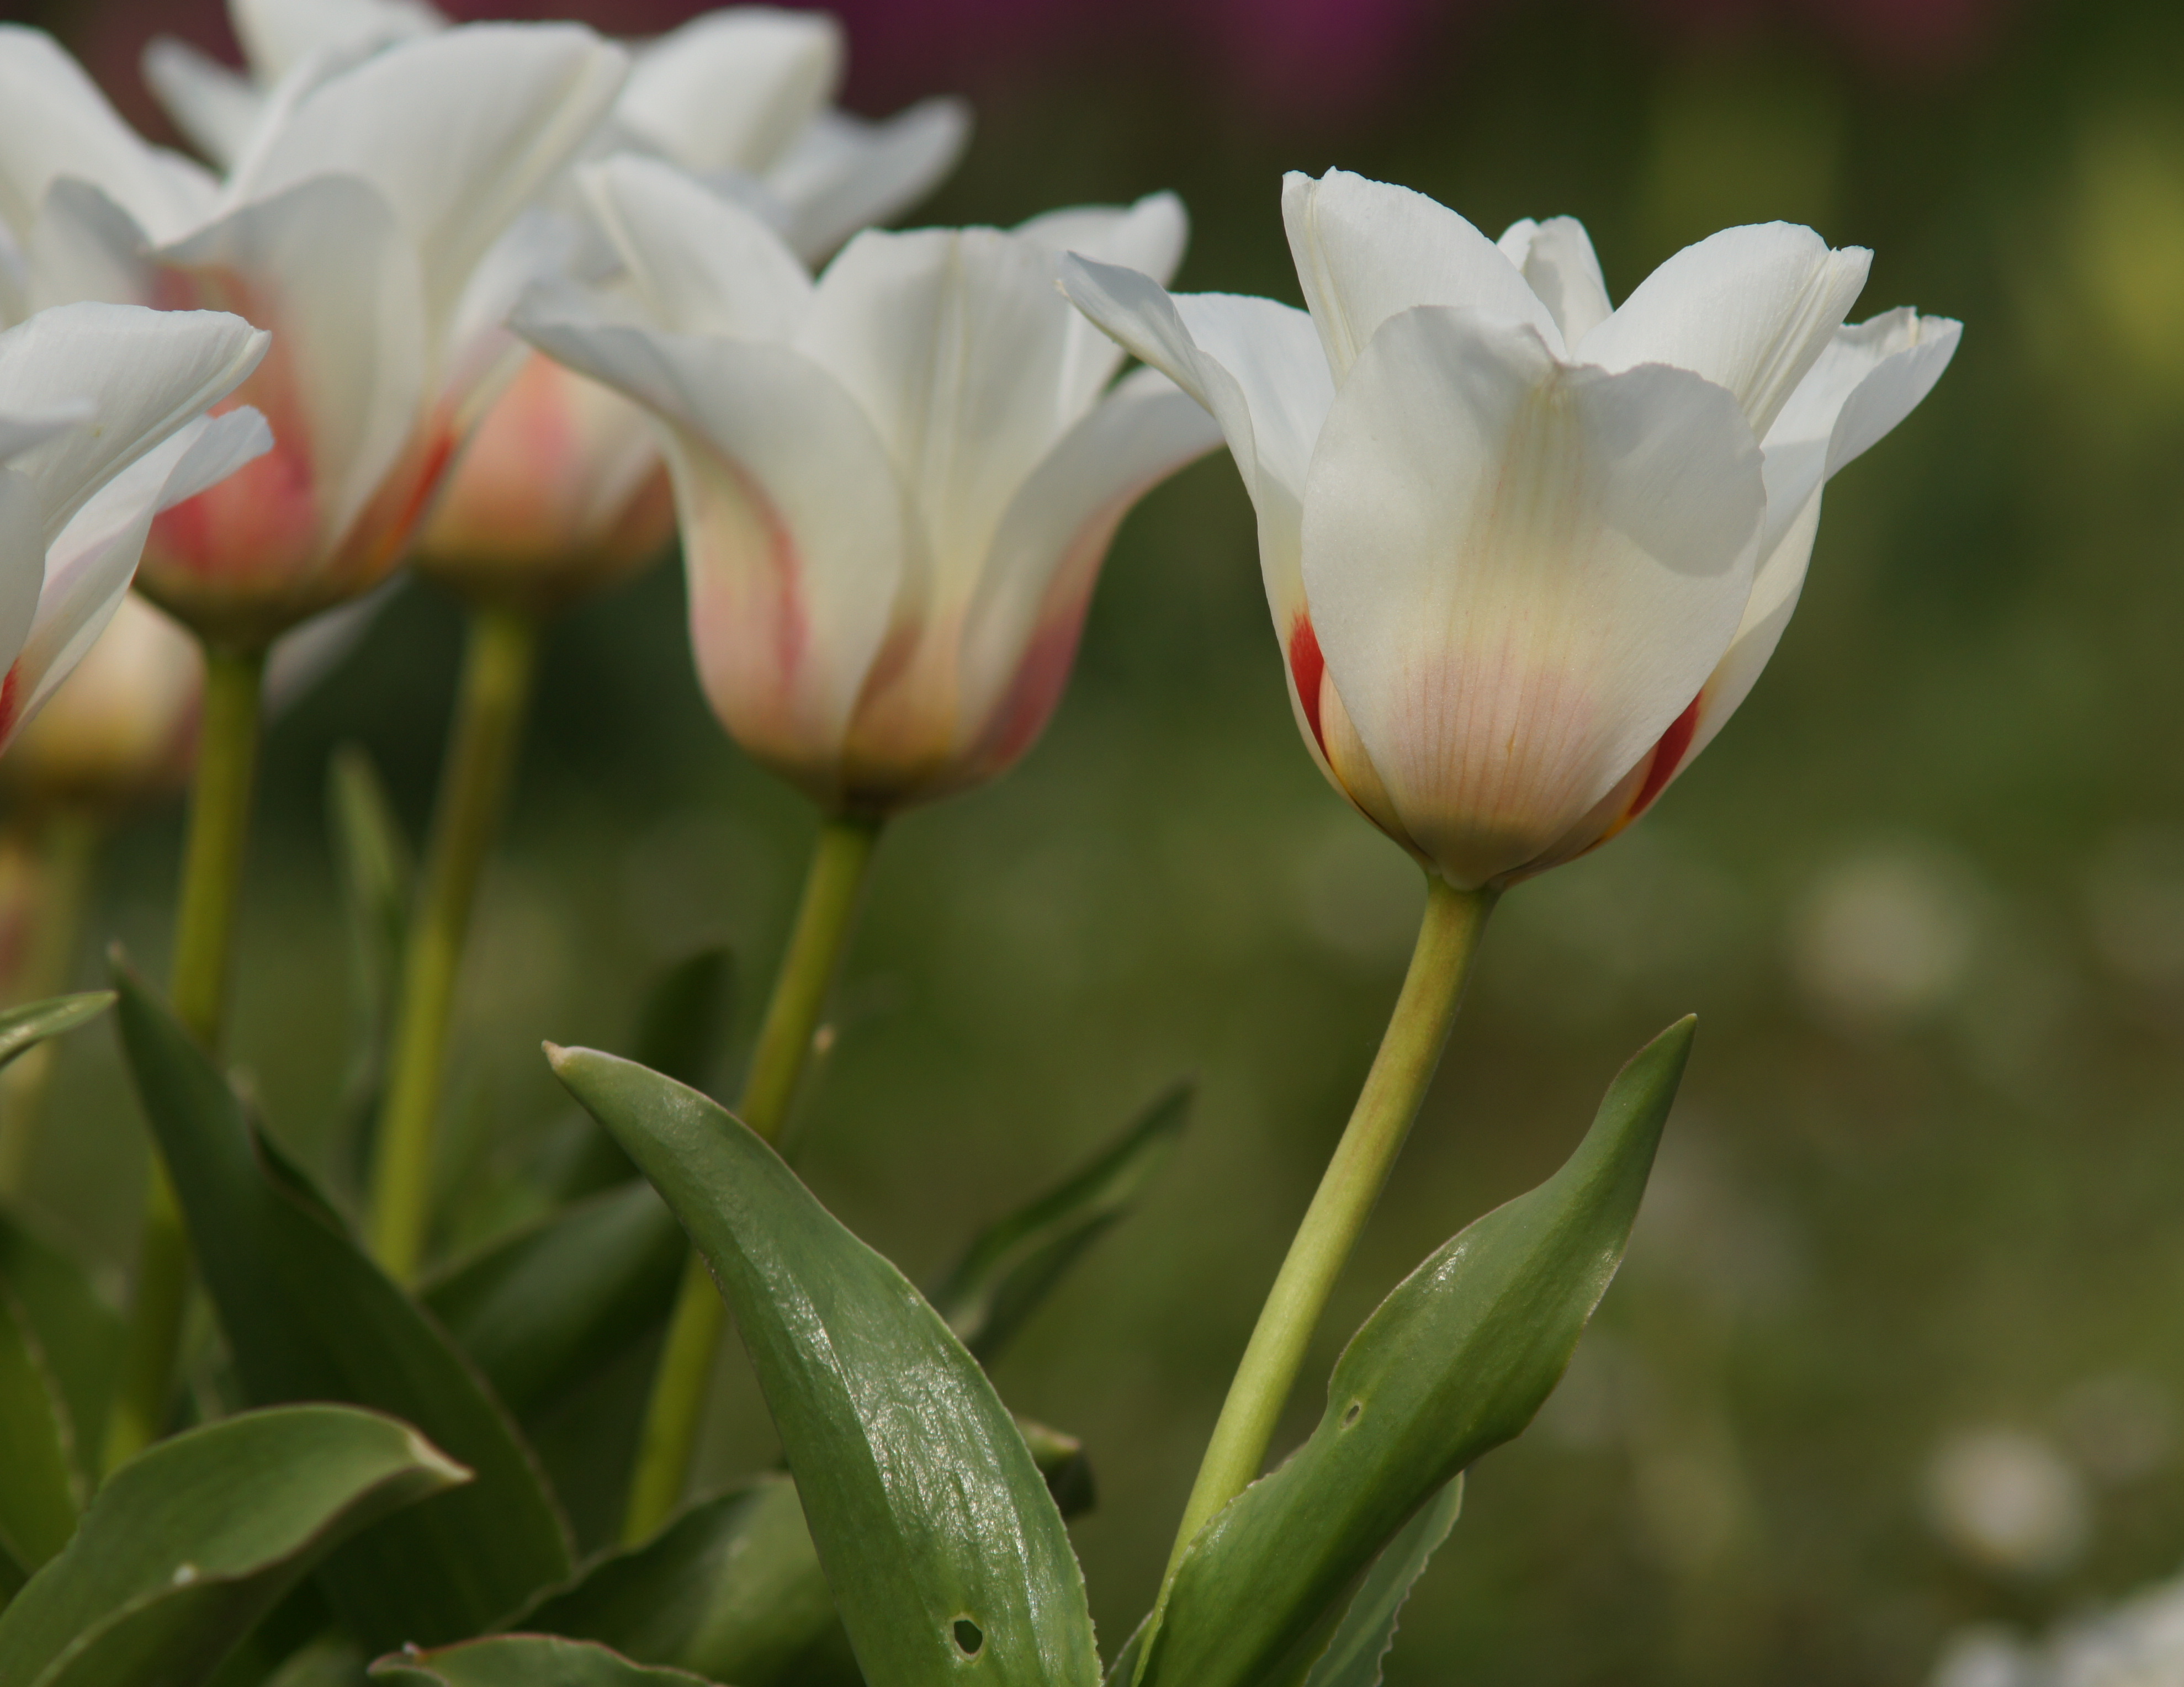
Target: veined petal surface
x=1750 y=308
x=1519 y=573
x=795 y=533
x=1558 y=262
x=1366 y=250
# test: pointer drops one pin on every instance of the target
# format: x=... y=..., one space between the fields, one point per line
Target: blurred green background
x=1926 y=894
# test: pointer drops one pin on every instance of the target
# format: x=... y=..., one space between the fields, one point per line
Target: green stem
x=61 y=847
x=1410 y=1051
x=204 y=933
x=839 y=864
x=499 y=664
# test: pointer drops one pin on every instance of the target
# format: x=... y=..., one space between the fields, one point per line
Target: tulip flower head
x=102 y=426
x=560 y=489
x=353 y=226
x=1525 y=553
x=896 y=485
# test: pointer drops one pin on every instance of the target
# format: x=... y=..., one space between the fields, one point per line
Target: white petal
x=279 y=35
x=145 y=373
x=1558 y=262
x=958 y=346
x=20 y=429
x=326 y=267
x=702 y=265
x=1019 y=630
x=457 y=131
x=88 y=567
x=1868 y=379
x=843 y=173
x=732 y=89
x=1257 y=366
x=55 y=122
x=1148 y=237
x=1750 y=308
x=217 y=108
x=22 y=574
x=1519 y=573
x=794 y=531
x=1366 y=250
x=86 y=247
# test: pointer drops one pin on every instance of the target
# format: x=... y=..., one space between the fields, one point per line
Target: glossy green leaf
x=192 y=1542
x=39 y=1488
x=1360 y=1645
x=543 y=1308
x=1014 y=1264
x=308 y=1316
x=1453 y=1363
x=23 y=1028
x=935 y=1527
x=78 y=1334
x=524 y=1660
x=731 y=1589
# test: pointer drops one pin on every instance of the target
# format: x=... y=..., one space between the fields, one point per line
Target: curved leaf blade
x=1360 y=1646
x=542 y=1309
x=192 y=1542
x=310 y=1317
x=78 y=1334
x=23 y=1028
x=937 y=1531
x=38 y=1485
x=1015 y=1263
x=1454 y=1362
x=731 y=1589
x=525 y=1660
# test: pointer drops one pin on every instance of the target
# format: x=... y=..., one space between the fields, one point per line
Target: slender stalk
x=499 y=663
x=1410 y=1051
x=204 y=932
x=60 y=847
x=840 y=862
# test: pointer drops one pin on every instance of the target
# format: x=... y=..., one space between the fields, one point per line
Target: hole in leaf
x=1357 y=1411
x=969 y=1637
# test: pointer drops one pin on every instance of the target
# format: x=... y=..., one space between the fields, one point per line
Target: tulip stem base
x=213 y=853
x=499 y=664
x=841 y=862
x=1410 y=1052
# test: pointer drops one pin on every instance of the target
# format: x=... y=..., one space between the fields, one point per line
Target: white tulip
x=353 y=227
x=560 y=488
x=102 y=426
x=1525 y=553
x=896 y=485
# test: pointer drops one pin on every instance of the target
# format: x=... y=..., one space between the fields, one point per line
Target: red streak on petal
x=11 y=701
x=1667 y=756
x=1307 y=668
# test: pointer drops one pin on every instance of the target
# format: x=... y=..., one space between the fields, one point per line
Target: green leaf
x=39 y=1490
x=376 y=869
x=1353 y=1657
x=79 y=1334
x=192 y=1542
x=23 y=1028
x=681 y=1033
x=542 y=1309
x=731 y=1589
x=308 y=1316
x=1453 y=1363
x=1014 y=1264
x=523 y=1660
x=935 y=1527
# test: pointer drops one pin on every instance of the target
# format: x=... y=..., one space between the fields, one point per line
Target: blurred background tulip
x=1926 y=891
